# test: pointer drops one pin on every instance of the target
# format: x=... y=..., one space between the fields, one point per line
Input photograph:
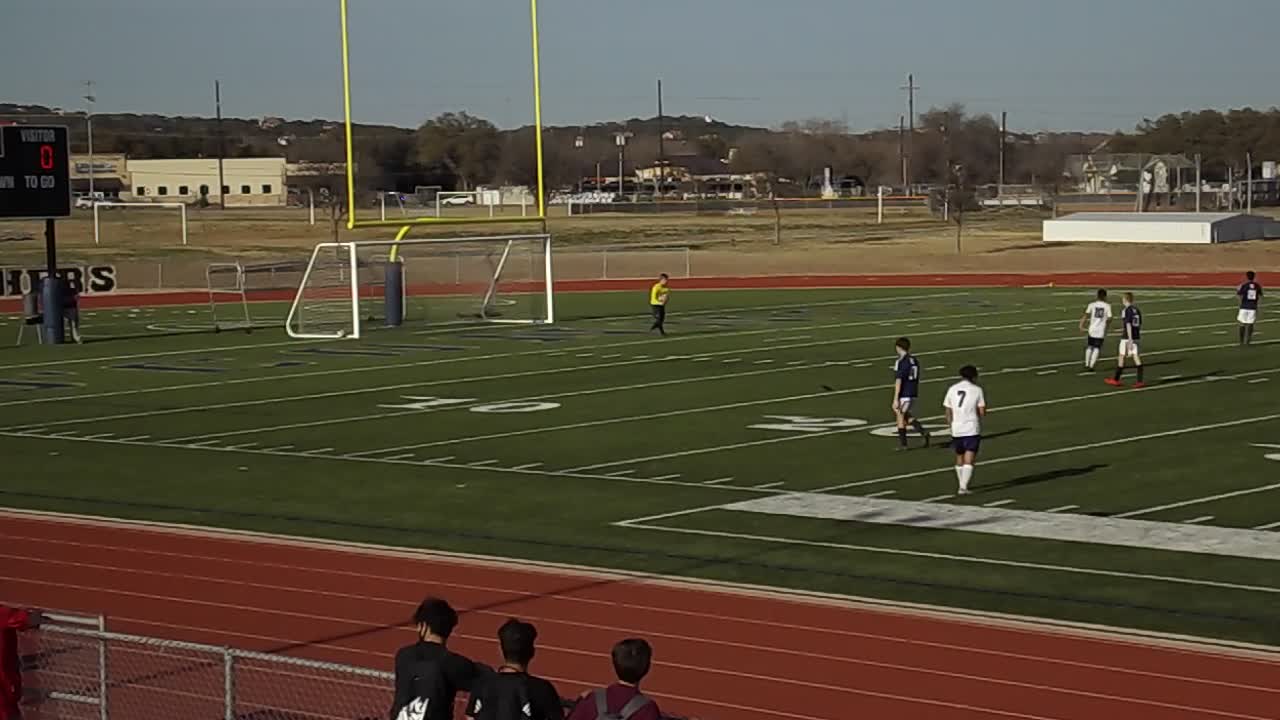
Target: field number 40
x=800 y=423
x=435 y=403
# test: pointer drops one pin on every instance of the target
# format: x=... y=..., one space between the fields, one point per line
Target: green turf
x=329 y=439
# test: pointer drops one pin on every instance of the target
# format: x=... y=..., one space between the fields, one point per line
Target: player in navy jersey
x=906 y=388
x=1131 y=319
x=1250 y=295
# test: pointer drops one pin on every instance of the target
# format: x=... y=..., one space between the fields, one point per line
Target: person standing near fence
x=428 y=675
x=12 y=622
x=623 y=699
x=510 y=692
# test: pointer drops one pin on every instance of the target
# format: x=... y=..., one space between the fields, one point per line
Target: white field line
x=705 y=311
x=882 y=493
x=1000 y=503
x=636 y=524
x=937 y=498
x=1063 y=508
x=1268 y=526
x=489 y=356
x=1195 y=521
x=669 y=413
x=529 y=353
x=1200 y=500
x=364 y=417
x=843 y=431
x=1059 y=451
x=274 y=452
x=404 y=386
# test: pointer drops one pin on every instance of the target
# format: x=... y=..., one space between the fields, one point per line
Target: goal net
x=228 y=300
x=140 y=223
x=351 y=288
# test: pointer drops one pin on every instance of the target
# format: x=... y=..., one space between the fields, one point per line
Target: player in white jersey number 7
x=966 y=404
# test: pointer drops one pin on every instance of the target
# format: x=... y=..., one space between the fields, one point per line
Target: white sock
x=1088 y=357
x=966 y=474
x=960 y=475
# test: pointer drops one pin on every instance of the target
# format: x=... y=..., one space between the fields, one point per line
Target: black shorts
x=1095 y=342
x=659 y=312
x=967 y=444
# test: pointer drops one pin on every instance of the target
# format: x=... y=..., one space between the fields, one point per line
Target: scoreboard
x=35 y=172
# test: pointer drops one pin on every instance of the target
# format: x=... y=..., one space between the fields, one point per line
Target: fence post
x=103 y=713
x=604 y=264
x=688 y=264
x=228 y=684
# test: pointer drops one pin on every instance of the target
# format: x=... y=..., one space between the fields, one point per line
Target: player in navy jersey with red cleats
x=1131 y=319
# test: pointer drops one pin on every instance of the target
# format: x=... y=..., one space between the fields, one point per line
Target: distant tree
x=470 y=147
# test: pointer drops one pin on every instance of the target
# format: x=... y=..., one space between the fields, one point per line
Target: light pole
x=620 y=139
x=90 y=99
x=578 y=143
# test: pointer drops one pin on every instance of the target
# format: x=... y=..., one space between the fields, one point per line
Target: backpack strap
x=635 y=705
x=602 y=702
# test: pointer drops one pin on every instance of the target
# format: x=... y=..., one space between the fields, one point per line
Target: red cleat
x=1113 y=382
x=1139 y=384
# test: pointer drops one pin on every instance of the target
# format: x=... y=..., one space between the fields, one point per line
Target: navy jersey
x=908 y=371
x=1133 y=323
x=1250 y=293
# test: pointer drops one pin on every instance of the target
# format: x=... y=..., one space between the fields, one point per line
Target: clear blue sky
x=1053 y=64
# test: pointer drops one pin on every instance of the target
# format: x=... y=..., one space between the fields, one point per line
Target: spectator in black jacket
x=510 y=692
x=427 y=670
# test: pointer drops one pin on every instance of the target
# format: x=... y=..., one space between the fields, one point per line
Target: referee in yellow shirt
x=658 y=303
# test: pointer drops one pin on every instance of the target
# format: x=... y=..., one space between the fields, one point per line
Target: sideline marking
x=1199 y=500
x=956 y=558
x=1187 y=536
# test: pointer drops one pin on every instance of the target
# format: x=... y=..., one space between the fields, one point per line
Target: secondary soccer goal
x=349 y=288
x=226 y=281
x=127 y=212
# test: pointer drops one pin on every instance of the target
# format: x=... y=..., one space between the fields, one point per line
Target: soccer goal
x=128 y=208
x=226 y=281
x=349 y=288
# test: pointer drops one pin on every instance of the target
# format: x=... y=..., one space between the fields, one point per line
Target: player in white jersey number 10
x=1096 y=320
x=966 y=404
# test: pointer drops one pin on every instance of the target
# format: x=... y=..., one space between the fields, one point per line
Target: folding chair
x=31 y=315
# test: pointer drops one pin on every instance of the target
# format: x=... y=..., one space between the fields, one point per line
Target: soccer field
x=753 y=444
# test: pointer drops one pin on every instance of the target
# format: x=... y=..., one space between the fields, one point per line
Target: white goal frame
x=237 y=292
x=97 y=230
x=353 y=274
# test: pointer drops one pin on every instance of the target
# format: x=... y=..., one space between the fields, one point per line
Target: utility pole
x=902 y=156
x=1004 y=133
x=662 y=155
x=89 y=99
x=1248 y=160
x=911 y=89
x=222 y=145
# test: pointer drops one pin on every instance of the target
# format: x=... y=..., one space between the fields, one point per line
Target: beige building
x=246 y=181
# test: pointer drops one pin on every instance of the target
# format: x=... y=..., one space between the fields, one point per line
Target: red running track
x=721 y=652
x=127 y=298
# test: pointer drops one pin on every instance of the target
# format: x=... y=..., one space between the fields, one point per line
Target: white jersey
x=963 y=399
x=1099 y=314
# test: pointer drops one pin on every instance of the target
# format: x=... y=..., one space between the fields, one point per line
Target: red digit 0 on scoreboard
x=46 y=157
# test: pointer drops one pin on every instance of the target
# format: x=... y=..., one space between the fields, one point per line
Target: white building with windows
x=246 y=181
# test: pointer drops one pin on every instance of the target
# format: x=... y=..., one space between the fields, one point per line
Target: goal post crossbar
x=348 y=260
x=97 y=206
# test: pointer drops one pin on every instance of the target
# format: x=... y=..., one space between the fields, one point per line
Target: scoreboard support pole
x=51 y=288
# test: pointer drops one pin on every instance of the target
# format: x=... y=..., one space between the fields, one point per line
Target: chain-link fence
x=79 y=672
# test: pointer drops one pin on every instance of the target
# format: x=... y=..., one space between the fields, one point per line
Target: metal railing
x=83 y=673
